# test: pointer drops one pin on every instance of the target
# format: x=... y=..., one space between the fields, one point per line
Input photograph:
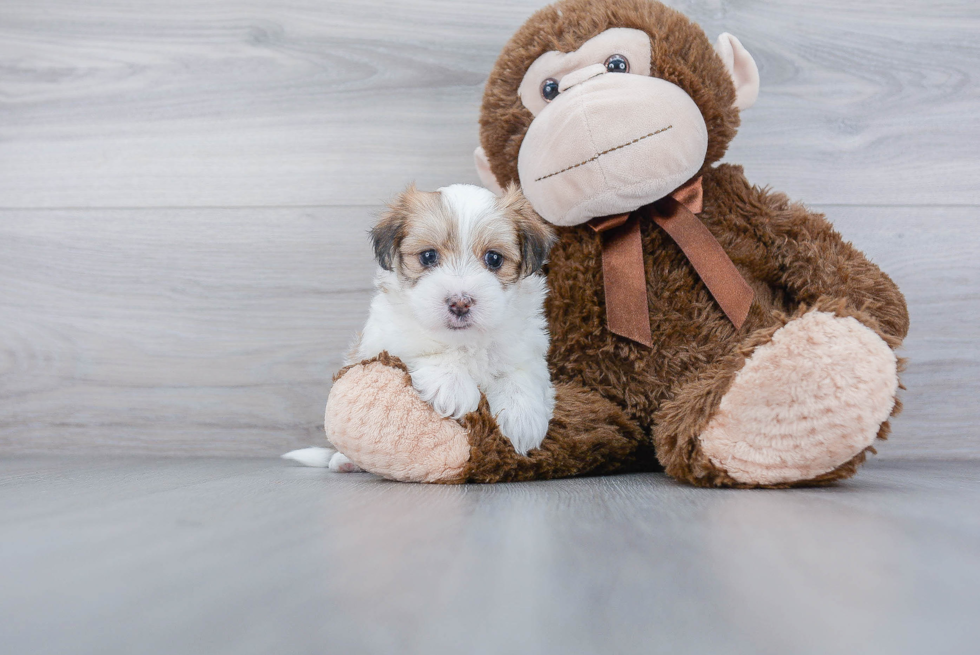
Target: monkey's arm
x=377 y=419
x=799 y=251
x=588 y=435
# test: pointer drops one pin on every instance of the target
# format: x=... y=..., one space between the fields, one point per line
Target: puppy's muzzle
x=459 y=306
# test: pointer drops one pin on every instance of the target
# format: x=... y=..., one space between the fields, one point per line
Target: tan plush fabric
x=653 y=140
x=804 y=403
x=483 y=171
x=377 y=420
x=742 y=67
x=632 y=44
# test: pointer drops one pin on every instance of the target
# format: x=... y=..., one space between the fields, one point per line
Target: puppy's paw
x=524 y=424
x=451 y=393
x=341 y=464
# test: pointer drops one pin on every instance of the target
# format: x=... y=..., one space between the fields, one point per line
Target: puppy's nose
x=460 y=305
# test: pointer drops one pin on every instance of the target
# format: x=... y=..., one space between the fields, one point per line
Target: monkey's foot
x=805 y=403
x=376 y=418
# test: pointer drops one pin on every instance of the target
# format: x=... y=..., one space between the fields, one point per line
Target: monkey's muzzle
x=610 y=145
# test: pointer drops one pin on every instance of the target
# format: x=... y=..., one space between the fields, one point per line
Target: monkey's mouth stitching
x=605 y=152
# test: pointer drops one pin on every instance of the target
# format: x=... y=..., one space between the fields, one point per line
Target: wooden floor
x=239 y=556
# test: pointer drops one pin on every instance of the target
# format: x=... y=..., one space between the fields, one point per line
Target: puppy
x=460 y=300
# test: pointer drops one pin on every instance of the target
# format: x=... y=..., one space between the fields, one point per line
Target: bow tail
x=716 y=269
x=624 y=272
x=624 y=281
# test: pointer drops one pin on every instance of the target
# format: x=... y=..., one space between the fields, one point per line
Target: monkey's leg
x=800 y=403
x=377 y=419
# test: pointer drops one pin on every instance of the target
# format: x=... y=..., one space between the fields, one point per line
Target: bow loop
x=606 y=223
x=623 y=274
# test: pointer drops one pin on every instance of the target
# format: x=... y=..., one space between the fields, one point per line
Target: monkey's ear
x=483 y=170
x=741 y=66
x=387 y=235
x=535 y=236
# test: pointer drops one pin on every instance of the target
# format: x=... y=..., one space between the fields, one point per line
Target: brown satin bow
x=627 y=312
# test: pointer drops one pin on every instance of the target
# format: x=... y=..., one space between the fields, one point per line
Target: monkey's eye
x=429 y=258
x=549 y=89
x=618 y=64
x=493 y=260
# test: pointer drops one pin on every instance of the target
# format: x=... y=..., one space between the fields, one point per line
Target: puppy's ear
x=534 y=235
x=387 y=235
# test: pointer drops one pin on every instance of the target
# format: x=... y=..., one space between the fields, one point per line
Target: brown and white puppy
x=460 y=300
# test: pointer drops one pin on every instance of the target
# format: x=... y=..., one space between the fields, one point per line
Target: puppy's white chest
x=482 y=364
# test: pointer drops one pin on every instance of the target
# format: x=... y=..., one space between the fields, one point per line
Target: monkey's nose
x=579 y=76
x=459 y=306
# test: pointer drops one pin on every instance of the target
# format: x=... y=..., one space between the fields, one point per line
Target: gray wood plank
x=157 y=104
x=183 y=331
x=932 y=254
x=218 y=331
x=255 y=556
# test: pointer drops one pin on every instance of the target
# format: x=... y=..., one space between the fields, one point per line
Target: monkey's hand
x=376 y=417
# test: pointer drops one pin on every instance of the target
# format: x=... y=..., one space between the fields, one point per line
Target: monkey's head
x=599 y=107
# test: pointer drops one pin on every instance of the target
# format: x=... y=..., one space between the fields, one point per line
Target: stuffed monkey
x=699 y=323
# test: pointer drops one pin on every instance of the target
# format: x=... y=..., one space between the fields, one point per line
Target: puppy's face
x=458 y=254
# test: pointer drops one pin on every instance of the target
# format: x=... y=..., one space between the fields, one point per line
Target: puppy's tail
x=313 y=456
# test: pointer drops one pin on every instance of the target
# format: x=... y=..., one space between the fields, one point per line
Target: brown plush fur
x=793 y=259
x=681 y=54
x=588 y=435
x=622 y=406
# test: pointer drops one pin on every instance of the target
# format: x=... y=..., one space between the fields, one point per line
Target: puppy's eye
x=493 y=259
x=429 y=258
x=618 y=64
x=549 y=89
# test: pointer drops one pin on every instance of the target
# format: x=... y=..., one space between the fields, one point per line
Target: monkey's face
x=606 y=137
x=599 y=107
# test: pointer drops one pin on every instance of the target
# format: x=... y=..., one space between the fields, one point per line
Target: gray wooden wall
x=185 y=187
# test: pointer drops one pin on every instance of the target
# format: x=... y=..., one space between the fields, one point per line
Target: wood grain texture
x=192 y=331
x=932 y=254
x=231 y=103
x=217 y=331
x=185 y=186
x=195 y=555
